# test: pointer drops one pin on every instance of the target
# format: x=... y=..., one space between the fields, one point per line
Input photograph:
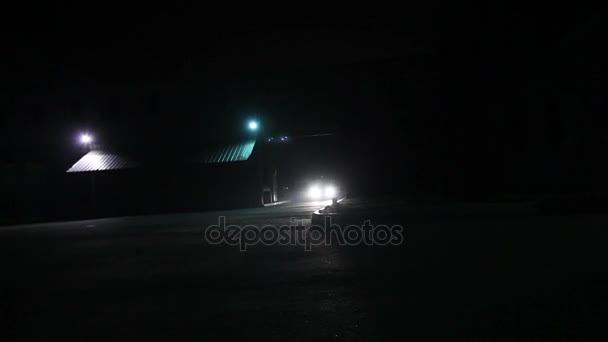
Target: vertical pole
x=260 y=165
x=274 y=185
x=93 y=195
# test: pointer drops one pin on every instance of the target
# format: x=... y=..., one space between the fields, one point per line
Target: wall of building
x=55 y=195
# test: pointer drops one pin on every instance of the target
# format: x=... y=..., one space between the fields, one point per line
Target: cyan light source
x=253 y=125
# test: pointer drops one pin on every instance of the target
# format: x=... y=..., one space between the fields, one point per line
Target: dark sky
x=193 y=74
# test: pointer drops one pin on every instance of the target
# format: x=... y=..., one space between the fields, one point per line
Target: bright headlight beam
x=330 y=191
x=314 y=192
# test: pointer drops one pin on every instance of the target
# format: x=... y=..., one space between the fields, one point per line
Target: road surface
x=482 y=277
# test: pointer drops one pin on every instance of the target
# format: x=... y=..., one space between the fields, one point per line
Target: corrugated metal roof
x=228 y=153
x=99 y=160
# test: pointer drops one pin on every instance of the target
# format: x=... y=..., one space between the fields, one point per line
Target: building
x=108 y=182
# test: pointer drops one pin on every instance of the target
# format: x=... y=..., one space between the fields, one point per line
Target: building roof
x=100 y=160
x=104 y=160
x=227 y=153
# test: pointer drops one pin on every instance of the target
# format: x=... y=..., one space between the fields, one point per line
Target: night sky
x=454 y=85
x=478 y=132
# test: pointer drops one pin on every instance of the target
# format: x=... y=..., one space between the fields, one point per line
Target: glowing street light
x=86 y=139
x=253 y=125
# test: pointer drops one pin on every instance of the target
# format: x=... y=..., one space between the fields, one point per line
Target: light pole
x=86 y=140
x=265 y=163
x=255 y=128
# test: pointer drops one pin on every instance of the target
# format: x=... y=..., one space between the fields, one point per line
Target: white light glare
x=330 y=191
x=86 y=139
x=314 y=192
x=253 y=125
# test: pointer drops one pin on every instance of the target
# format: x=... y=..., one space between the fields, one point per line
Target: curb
x=318 y=217
x=275 y=203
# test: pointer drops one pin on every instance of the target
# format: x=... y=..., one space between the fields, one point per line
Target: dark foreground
x=471 y=275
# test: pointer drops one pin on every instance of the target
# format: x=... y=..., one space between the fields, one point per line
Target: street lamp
x=253 y=125
x=86 y=139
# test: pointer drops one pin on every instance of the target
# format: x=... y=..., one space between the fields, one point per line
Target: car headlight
x=330 y=191
x=314 y=192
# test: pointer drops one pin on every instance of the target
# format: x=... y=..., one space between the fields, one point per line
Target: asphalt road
x=486 y=277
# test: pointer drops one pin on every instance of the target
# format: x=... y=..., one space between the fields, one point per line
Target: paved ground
x=482 y=276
